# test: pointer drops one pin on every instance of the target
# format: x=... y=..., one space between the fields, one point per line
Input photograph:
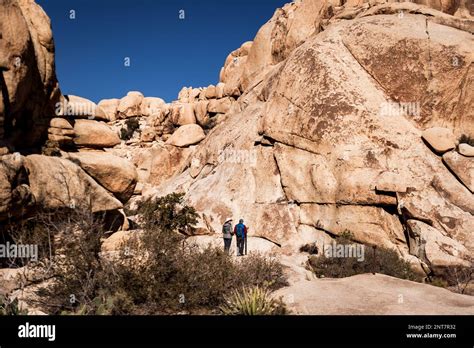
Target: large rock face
x=116 y=174
x=29 y=89
x=94 y=134
x=59 y=183
x=327 y=136
x=322 y=125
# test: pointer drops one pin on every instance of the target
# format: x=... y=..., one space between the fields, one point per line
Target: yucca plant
x=253 y=301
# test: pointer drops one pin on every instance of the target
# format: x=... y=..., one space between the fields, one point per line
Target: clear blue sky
x=166 y=53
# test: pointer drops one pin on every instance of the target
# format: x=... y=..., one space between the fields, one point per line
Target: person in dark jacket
x=240 y=230
x=227 y=234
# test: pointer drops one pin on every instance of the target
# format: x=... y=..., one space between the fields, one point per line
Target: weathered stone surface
x=116 y=174
x=151 y=106
x=79 y=107
x=27 y=71
x=148 y=135
x=186 y=135
x=210 y=92
x=110 y=106
x=466 y=150
x=439 y=251
x=59 y=183
x=117 y=240
x=324 y=148
x=462 y=167
x=62 y=123
x=158 y=164
x=14 y=193
x=369 y=225
x=220 y=106
x=440 y=139
x=90 y=133
x=182 y=114
x=372 y=295
x=130 y=105
x=201 y=112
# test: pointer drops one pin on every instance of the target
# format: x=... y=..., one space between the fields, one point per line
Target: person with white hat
x=227 y=233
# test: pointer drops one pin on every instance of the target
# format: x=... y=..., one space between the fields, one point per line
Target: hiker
x=240 y=230
x=227 y=234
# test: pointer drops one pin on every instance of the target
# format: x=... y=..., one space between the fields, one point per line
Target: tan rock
x=220 y=87
x=59 y=183
x=151 y=106
x=211 y=92
x=110 y=106
x=369 y=225
x=156 y=165
x=116 y=174
x=200 y=111
x=117 y=241
x=60 y=123
x=30 y=85
x=438 y=250
x=462 y=167
x=466 y=150
x=186 y=135
x=148 y=135
x=78 y=107
x=183 y=114
x=194 y=94
x=13 y=194
x=130 y=105
x=371 y=295
x=61 y=131
x=440 y=139
x=183 y=95
x=221 y=106
x=90 y=133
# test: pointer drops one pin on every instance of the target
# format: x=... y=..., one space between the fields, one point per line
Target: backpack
x=240 y=230
x=227 y=229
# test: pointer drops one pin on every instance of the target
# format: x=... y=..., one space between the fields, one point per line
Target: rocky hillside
x=340 y=116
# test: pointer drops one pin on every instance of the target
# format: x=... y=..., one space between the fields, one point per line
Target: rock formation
x=29 y=89
x=340 y=116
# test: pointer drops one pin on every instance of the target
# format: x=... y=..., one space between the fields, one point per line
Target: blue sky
x=166 y=53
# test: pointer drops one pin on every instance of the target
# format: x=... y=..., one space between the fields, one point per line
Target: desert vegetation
x=376 y=260
x=155 y=272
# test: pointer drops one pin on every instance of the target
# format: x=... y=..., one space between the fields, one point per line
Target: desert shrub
x=460 y=278
x=466 y=139
x=131 y=125
x=252 y=301
x=439 y=282
x=10 y=307
x=376 y=260
x=310 y=248
x=167 y=213
x=51 y=148
x=76 y=263
x=156 y=273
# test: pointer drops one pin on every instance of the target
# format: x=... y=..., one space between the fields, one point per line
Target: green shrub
x=157 y=273
x=168 y=213
x=252 y=301
x=376 y=260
